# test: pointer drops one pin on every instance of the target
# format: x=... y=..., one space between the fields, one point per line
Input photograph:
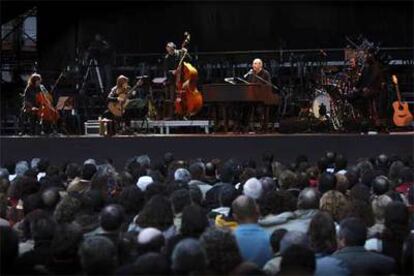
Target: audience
x=214 y=217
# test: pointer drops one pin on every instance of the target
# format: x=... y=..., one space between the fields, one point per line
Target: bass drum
x=321 y=105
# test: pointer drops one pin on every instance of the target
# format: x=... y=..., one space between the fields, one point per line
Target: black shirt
x=264 y=74
x=171 y=63
x=30 y=95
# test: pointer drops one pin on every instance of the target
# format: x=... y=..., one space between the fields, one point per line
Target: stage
x=188 y=146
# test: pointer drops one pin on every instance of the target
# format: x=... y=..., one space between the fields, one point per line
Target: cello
x=189 y=100
x=47 y=112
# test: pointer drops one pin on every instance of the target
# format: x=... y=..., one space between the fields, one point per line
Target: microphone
x=248 y=73
x=323 y=53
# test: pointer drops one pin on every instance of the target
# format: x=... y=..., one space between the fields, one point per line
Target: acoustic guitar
x=402 y=115
x=118 y=108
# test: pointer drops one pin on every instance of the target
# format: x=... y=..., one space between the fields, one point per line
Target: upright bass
x=188 y=100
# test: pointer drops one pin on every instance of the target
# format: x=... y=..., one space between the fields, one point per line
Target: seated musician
x=171 y=61
x=257 y=75
x=29 y=118
x=118 y=91
x=118 y=96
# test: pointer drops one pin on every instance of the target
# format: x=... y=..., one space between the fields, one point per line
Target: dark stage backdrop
x=142 y=27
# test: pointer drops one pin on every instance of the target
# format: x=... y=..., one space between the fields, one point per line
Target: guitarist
x=119 y=89
x=171 y=61
x=117 y=94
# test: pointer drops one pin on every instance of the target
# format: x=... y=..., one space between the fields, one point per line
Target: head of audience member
x=382 y=162
x=196 y=196
x=360 y=192
x=144 y=161
x=197 y=171
x=42 y=228
x=151 y=263
x=336 y=204
x=362 y=210
x=88 y=171
x=293 y=237
x=406 y=176
x=179 y=199
x=342 y=183
x=308 y=199
x=222 y=251
x=21 y=168
x=276 y=202
x=188 y=257
x=340 y=162
x=210 y=170
x=98 y=256
x=394 y=171
x=352 y=232
x=72 y=171
x=379 y=204
x=322 y=233
x=363 y=167
x=194 y=221
x=182 y=175
x=150 y=240
x=276 y=238
x=268 y=184
x=253 y=188
x=327 y=182
x=67 y=208
x=396 y=221
x=50 y=198
x=227 y=195
x=297 y=260
x=112 y=217
x=144 y=182
x=132 y=199
x=287 y=180
x=227 y=172
x=65 y=244
x=245 y=210
x=156 y=213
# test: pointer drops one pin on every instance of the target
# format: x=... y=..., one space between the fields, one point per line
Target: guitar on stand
x=402 y=115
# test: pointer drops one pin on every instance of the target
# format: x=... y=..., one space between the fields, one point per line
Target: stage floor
x=188 y=146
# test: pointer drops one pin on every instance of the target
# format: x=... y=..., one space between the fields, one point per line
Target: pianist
x=257 y=74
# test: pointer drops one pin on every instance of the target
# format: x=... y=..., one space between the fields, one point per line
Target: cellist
x=29 y=118
x=171 y=61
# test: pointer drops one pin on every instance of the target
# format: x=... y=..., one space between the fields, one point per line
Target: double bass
x=188 y=100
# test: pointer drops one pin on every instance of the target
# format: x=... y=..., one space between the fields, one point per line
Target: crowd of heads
x=208 y=216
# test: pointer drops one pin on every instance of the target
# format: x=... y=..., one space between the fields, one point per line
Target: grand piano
x=223 y=97
x=254 y=93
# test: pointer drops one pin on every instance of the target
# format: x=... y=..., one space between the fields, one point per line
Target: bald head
x=245 y=209
x=257 y=65
x=308 y=199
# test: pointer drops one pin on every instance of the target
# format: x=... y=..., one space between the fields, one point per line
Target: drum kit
x=329 y=100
